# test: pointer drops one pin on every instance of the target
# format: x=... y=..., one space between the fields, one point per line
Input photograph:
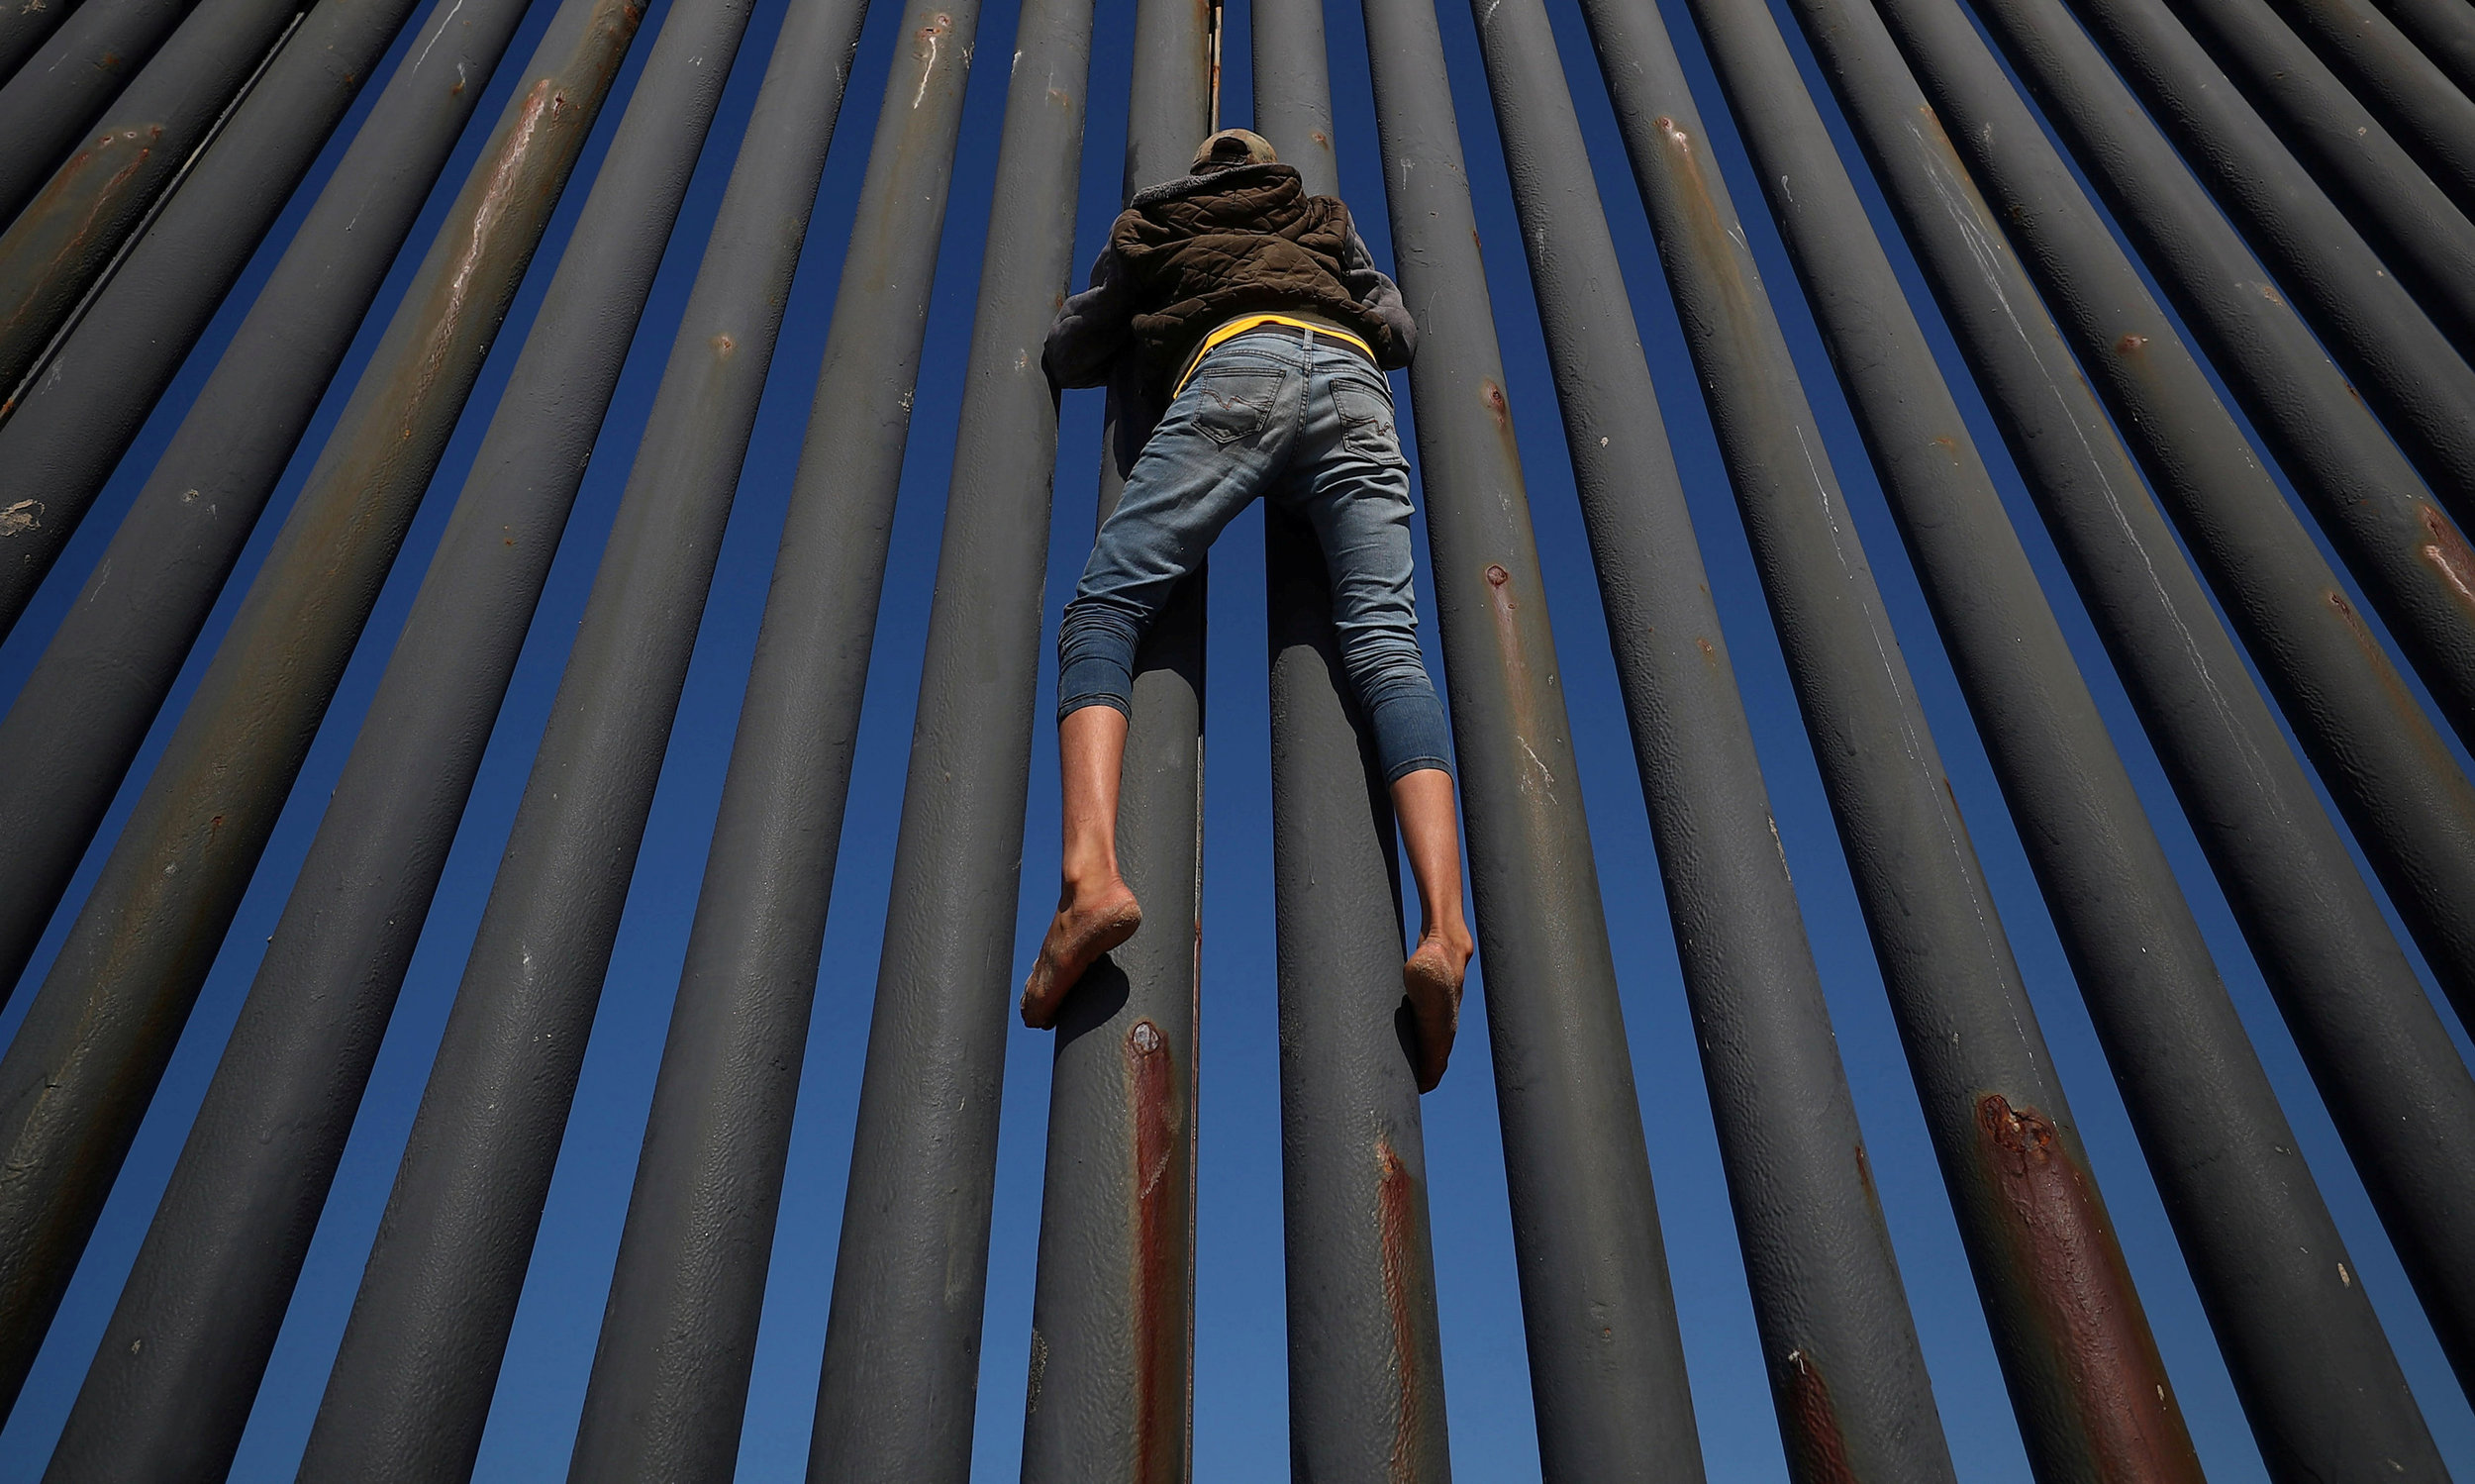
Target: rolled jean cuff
x=1094 y=680
x=1410 y=732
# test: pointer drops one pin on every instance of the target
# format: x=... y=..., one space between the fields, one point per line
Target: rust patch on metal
x=2131 y=345
x=1821 y=1449
x=2402 y=702
x=1499 y=407
x=2070 y=1272
x=1159 y=1229
x=1520 y=688
x=62 y=239
x=1396 y=1206
x=2446 y=551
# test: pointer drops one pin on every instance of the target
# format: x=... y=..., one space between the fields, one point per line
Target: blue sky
x=1239 y=1388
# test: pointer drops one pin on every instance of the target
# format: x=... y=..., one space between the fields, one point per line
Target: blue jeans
x=1308 y=425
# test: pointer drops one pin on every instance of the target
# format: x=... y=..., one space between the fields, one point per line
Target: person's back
x=1243 y=332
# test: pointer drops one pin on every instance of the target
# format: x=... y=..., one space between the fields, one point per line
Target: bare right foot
x=1087 y=925
x=1432 y=981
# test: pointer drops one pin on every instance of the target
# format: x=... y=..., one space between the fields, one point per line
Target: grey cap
x=1233 y=146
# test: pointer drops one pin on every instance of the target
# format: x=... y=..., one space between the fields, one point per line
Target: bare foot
x=1433 y=980
x=1085 y=927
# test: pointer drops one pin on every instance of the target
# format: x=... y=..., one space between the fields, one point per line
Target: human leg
x=1348 y=478
x=1430 y=832
x=1210 y=456
x=1096 y=910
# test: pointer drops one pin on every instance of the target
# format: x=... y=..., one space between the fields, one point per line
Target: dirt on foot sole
x=1433 y=982
x=1077 y=936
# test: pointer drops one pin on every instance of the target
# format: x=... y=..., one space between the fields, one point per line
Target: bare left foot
x=1432 y=981
x=1087 y=925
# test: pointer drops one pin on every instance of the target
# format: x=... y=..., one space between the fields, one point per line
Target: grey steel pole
x=2324 y=1391
x=898 y=1391
x=1111 y=1395
x=25 y=27
x=98 y=379
x=2400 y=363
x=1847 y=1375
x=2384 y=1062
x=1606 y=1363
x=68 y=83
x=2410 y=806
x=2086 y=1383
x=78 y=721
x=411 y=1389
x=1365 y=1355
x=2405 y=215
x=212 y=1283
x=75 y=218
x=76 y=1080
x=2415 y=66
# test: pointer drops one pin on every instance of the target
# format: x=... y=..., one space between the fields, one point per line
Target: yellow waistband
x=1244 y=322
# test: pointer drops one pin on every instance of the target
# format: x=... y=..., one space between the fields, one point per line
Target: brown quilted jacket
x=1194 y=253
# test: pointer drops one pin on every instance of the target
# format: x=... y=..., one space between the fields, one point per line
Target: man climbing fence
x=1242 y=330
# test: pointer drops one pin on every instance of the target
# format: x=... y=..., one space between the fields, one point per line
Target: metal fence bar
x=1606 y=1367
x=73 y=219
x=78 y=721
x=2398 y=360
x=2420 y=86
x=2412 y=806
x=76 y=1080
x=1365 y=1355
x=24 y=28
x=2325 y=1394
x=101 y=375
x=65 y=86
x=899 y=1382
x=412 y=1385
x=1111 y=1393
x=2402 y=215
x=1847 y=1375
x=2376 y=1048
x=2086 y=1380
x=209 y=1294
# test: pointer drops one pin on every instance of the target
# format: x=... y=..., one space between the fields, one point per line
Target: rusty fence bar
x=2086 y=1380
x=74 y=729
x=76 y=1080
x=668 y=1386
x=1366 y=1357
x=76 y=407
x=2412 y=562
x=2398 y=360
x=2327 y=253
x=1608 y=1378
x=411 y=1389
x=67 y=84
x=2325 y=1394
x=1839 y=1348
x=2401 y=1096
x=2420 y=88
x=899 y=1382
x=73 y=219
x=2411 y=804
x=1111 y=1394
x=331 y=975
x=2405 y=214
x=24 y=28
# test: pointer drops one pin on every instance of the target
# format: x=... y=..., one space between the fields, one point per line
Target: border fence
x=2186 y=255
